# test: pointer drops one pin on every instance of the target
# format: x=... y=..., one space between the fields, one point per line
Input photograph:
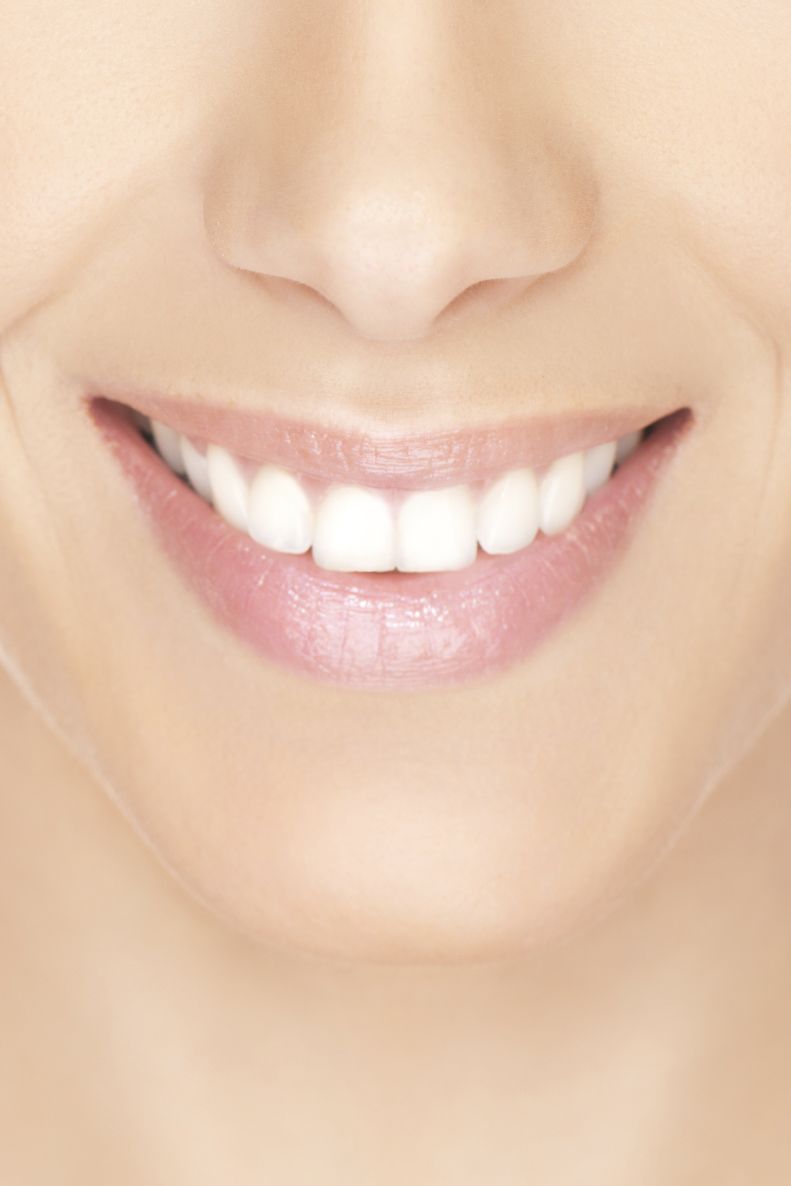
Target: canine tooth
x=627 y=445
x=562 y=492
x=436 y=530
x=228 y=486
x=167 y=442
x=279 y=512
x=354 y=531
x=508 y=513
x=197 y=468
x=599 y=461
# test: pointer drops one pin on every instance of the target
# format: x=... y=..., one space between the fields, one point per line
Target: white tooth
x=167 y=442
x=562 y=492
x=627 y=445
x=228 y=486
x=354 y=531
x=279 y=511
x=197 y=468
x=436 y=530
x=599 y=461
x=508 y=513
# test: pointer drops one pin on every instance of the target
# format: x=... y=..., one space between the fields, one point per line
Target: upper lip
x=396 y=461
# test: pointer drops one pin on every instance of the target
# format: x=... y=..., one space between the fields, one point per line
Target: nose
x=392 y=194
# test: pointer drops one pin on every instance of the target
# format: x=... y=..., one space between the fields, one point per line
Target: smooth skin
x=530 y=929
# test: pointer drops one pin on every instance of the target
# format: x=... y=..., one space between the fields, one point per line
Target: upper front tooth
x=562 y=492
x=197 y=468
x=436 y=530
x=508 y=513
x=228 y=486
x=627 y=445
x=354 y=531
x=168 y=444
x=599 y=461
x=357 y=529
x=280 y=514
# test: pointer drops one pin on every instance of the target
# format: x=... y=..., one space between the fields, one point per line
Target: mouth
x=389 y=562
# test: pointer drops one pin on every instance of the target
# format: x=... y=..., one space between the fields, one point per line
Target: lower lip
x=390 y=631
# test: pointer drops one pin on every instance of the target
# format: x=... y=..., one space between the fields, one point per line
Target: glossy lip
x=425 y=460
x=388 y=631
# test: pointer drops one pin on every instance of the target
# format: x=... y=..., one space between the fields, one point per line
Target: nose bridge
x=390 y=154
x=410 y=178
x=405 y=158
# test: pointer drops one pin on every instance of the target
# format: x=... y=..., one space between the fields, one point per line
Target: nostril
x=486 y=296
x=396 y=261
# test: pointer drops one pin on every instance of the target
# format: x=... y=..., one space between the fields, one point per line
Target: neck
x=651 y=1048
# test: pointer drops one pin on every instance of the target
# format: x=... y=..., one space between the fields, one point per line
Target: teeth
x=197 y=468
x=228 y=486
x=562 y=492
x=279 y=512
x=436 y=530
x=599 y=462
x=355 y=531
x=508 y=513
x=168 y=443
x=627 y=445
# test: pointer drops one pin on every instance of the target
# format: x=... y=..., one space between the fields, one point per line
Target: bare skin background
x=531 y=928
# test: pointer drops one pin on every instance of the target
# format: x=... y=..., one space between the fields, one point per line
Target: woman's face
x=289 y=210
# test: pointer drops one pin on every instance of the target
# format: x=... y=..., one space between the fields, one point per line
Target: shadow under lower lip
x=389 y=631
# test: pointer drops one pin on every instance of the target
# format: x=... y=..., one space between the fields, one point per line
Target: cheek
x=100 y=104
x=736 y=224
x=689 y=117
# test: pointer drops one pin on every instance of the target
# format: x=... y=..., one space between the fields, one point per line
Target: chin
x=407 y=900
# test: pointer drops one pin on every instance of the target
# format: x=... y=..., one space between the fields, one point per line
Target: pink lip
x=395 y=462
x=396 y=631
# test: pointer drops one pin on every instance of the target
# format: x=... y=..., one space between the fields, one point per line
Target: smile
x=390 y=563
x=349 y=528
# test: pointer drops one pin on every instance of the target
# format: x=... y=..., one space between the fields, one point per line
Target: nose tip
x=392 y=269
x=406 y=188
x=393 y=264
x=387 y=266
